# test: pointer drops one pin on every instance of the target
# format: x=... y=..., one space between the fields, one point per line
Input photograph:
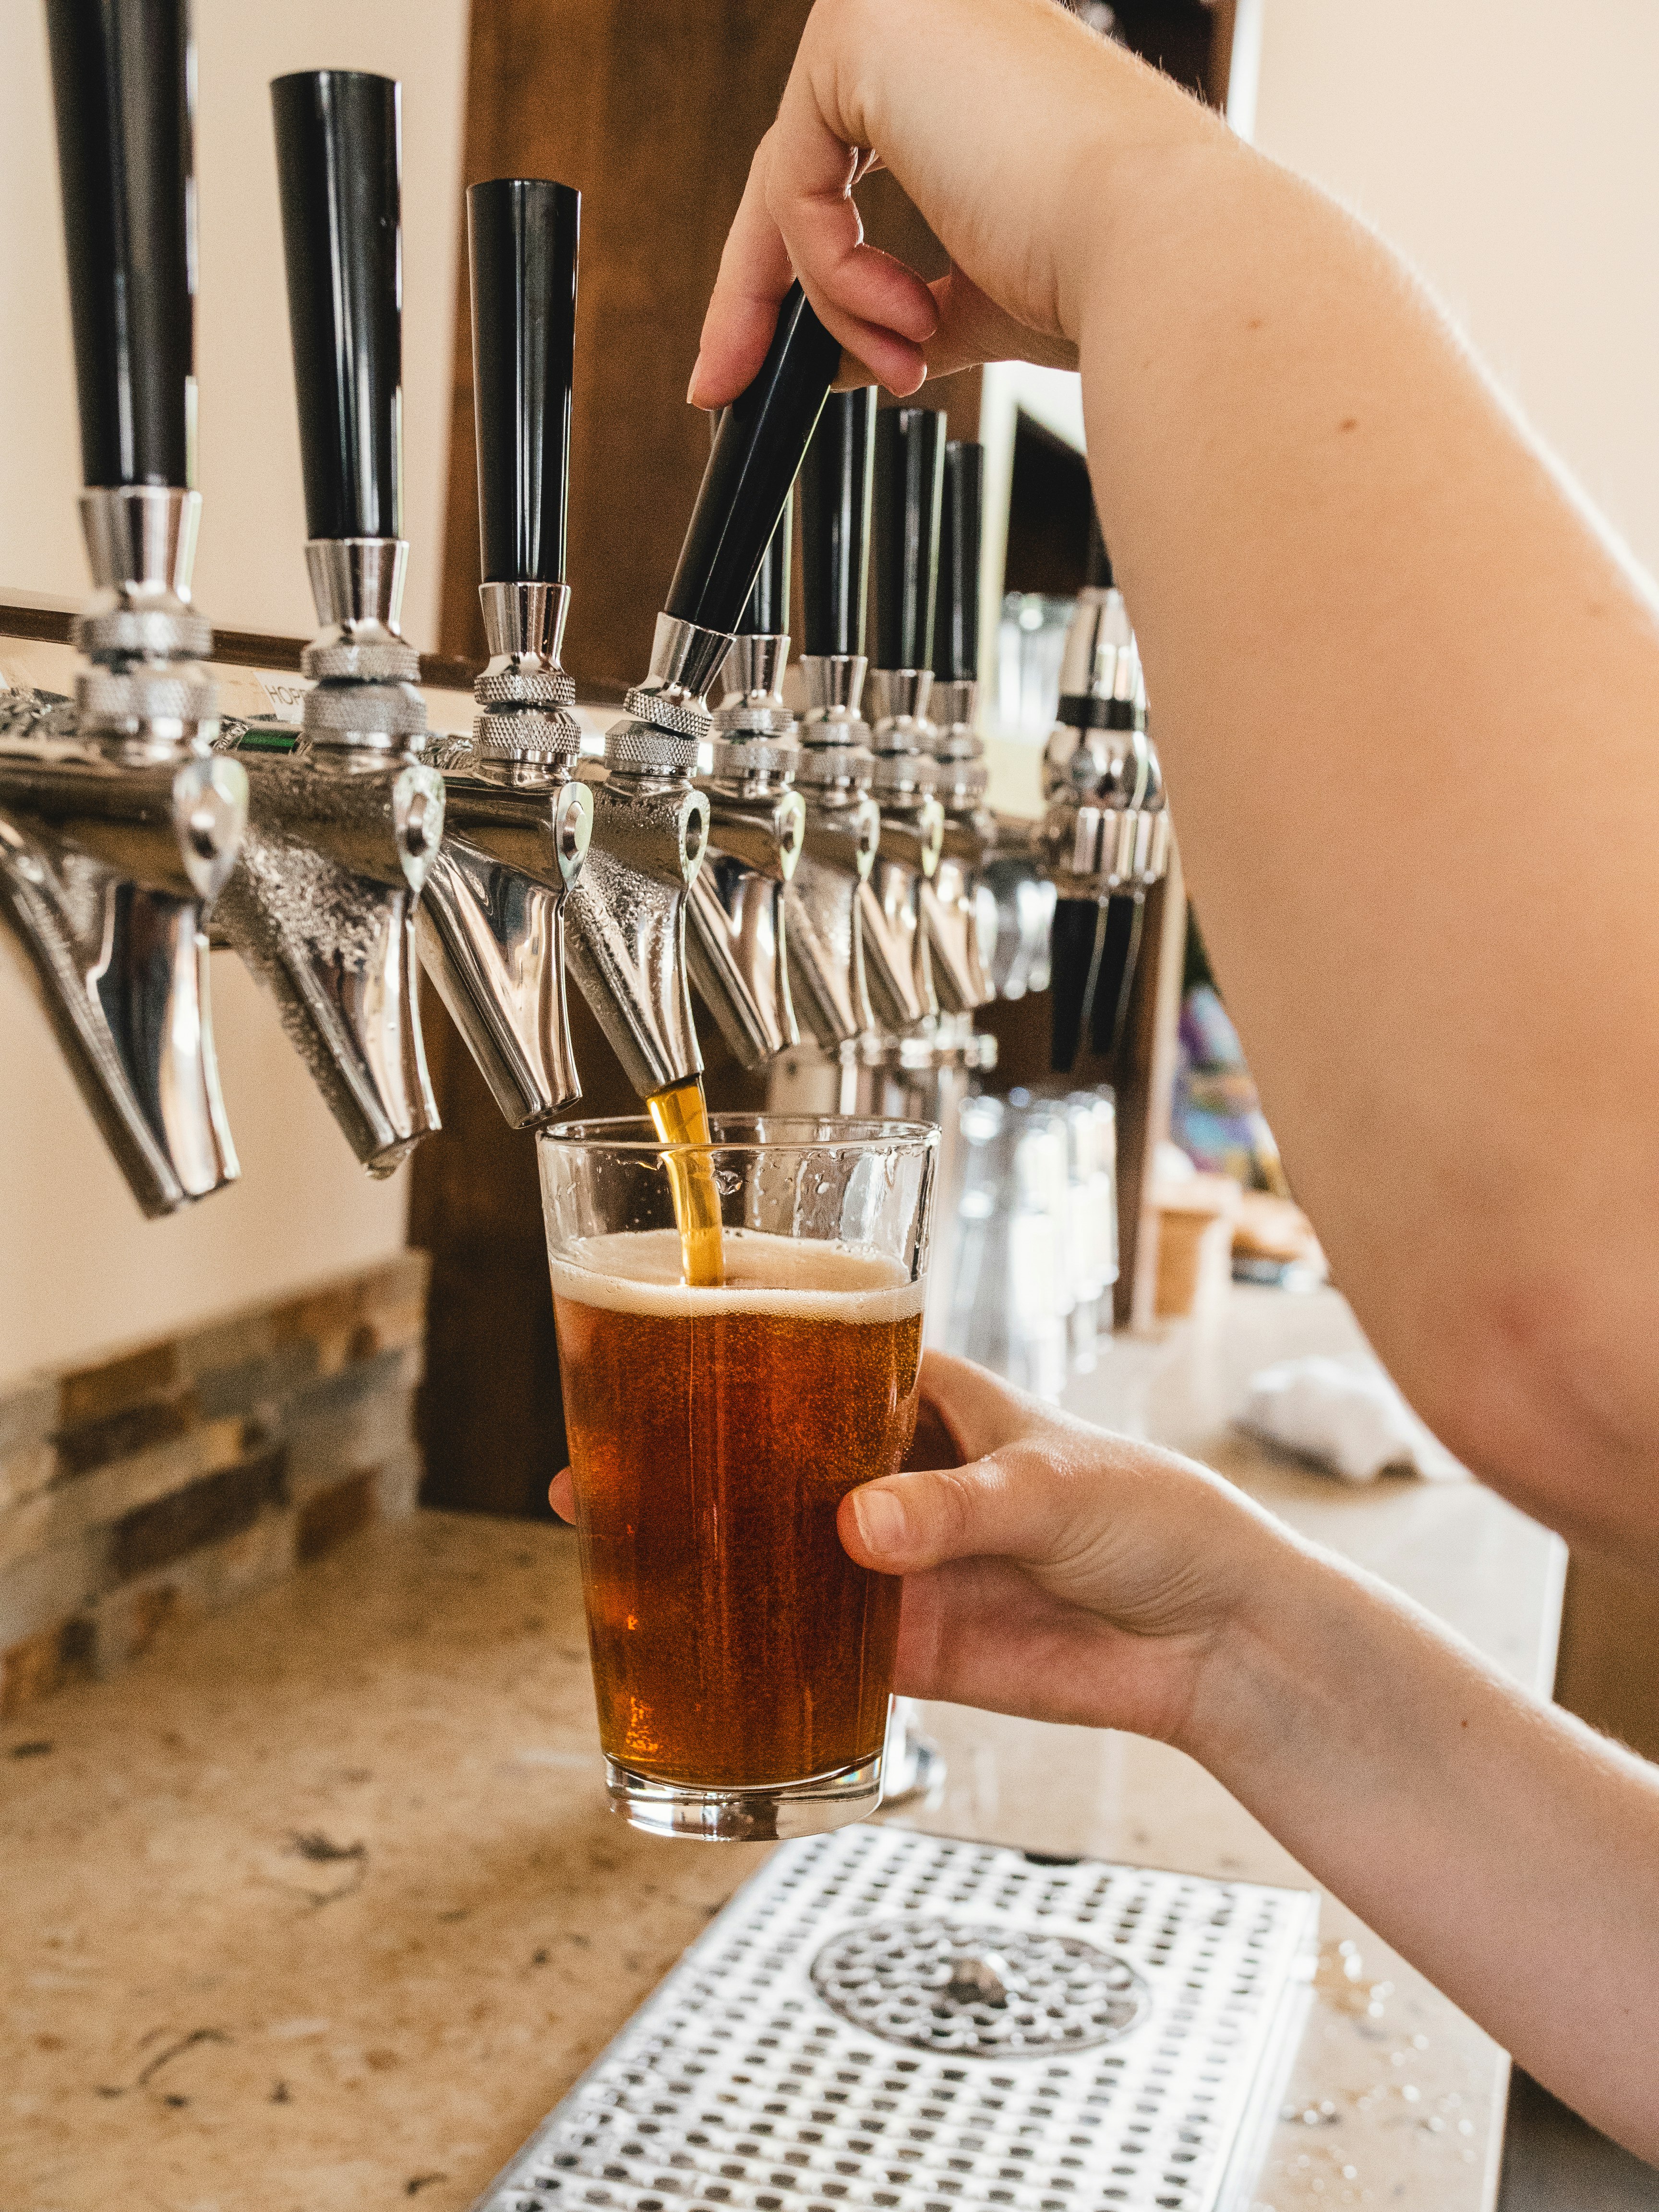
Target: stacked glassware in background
x=1030 y=646
x=1030 y=1252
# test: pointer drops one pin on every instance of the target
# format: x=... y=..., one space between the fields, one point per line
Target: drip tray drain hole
x=977 y=1990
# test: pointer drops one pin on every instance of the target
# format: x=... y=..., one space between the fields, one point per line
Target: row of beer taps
x=833 y=880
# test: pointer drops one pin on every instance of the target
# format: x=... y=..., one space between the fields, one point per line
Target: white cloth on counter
x=1351 y=1421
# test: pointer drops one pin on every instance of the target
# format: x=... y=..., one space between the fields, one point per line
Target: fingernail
x=881 y=1519
x=696 y=370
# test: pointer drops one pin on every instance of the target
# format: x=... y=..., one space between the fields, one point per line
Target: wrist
x=1249 y=1686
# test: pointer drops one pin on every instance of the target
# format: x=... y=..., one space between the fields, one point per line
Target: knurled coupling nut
x=526 y=687
x=828 y=766
x=146 y=695
x=748 y=722
x=639 y=746
x=526 y=733
x=367 y=711
x=679 y=718
x=153 y=632
x=746 y=755
x=897 y=773
x=390 y=660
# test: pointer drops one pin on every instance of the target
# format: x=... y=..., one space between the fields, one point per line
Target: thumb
x=972 y=329
x=1015 y=1504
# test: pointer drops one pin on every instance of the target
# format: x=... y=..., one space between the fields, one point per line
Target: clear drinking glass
x=742 y=1662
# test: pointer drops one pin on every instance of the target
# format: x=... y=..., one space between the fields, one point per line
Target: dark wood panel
x=232 y=648
x=654 y=110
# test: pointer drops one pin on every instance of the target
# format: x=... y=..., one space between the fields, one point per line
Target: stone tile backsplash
x=174 y=1478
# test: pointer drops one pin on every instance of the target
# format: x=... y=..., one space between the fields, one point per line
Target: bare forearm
x=1506 y=1851
x=1408 y=704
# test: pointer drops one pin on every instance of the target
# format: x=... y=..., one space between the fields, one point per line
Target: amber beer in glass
x=742 y=1662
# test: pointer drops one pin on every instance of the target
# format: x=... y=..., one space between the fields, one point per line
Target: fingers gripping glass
x=742 y=1662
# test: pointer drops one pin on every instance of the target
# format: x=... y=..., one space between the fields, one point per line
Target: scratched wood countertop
x=318 y=1906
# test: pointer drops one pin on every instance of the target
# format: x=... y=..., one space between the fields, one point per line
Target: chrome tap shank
x=343 y=830
x=116 y=826
x=627 y=942
x=108 y=868
x=651 y=825
x=738 y=912
x=491 y=924
x=841 y=835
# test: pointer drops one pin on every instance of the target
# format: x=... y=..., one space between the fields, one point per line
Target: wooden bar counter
x=318 y=1905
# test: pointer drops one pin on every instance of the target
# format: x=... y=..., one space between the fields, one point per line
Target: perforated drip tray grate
x=885 y=2019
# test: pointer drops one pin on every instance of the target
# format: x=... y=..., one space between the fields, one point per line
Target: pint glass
x=742 y=1663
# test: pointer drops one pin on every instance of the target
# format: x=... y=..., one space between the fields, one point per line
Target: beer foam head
x=638 y=1271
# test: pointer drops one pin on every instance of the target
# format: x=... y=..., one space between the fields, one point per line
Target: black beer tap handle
x=120 y=72
x=522 y=236
x=1074 y=956
x=956 y=624
x=337 y=171
x=909 y=487
x=1120 y=950
x=766 y=611
x=757 y=451
x=1097 y=570
x=837 y=480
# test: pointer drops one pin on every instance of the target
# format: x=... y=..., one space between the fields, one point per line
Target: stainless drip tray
x=885 y=2019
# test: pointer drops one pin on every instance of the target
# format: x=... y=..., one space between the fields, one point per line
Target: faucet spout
x=118 y=827
x=108 y=870
x=321 y=908
x=842 y=833
x=627 y=909
x=516 y=831
x=738 y=912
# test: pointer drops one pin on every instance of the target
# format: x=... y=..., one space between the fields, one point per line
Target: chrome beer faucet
x=118 y=827
x=834 y=765
x=651 y=823
x=518 y=820
x=950 y=902
x=908 y=488
x=1098 y=835
x=343 y=830
x=738 y=945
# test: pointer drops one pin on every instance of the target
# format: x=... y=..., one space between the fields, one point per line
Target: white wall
x=1509 y=148
x=251 y=571
x=79 y=1268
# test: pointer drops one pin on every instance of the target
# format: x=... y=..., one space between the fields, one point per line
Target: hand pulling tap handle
x=522 y=232
x=956 y=626
x=766 y=611
x=909 y=489
x=120 y=77
x=337 y=165
x=756 y=456
x=836 y=482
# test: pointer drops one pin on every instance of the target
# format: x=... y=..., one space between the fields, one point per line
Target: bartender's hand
x=899 y=76
x=1068 y=1575
x=1054 y=1571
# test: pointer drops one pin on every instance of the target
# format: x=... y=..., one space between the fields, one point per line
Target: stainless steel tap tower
x=835 y=766
x=910 y=483
x=951 y=901
x=343 y=830
x=118 y=827
x=1105 y=836
x=651 y=822
x=518 y=820
x=740 y=928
